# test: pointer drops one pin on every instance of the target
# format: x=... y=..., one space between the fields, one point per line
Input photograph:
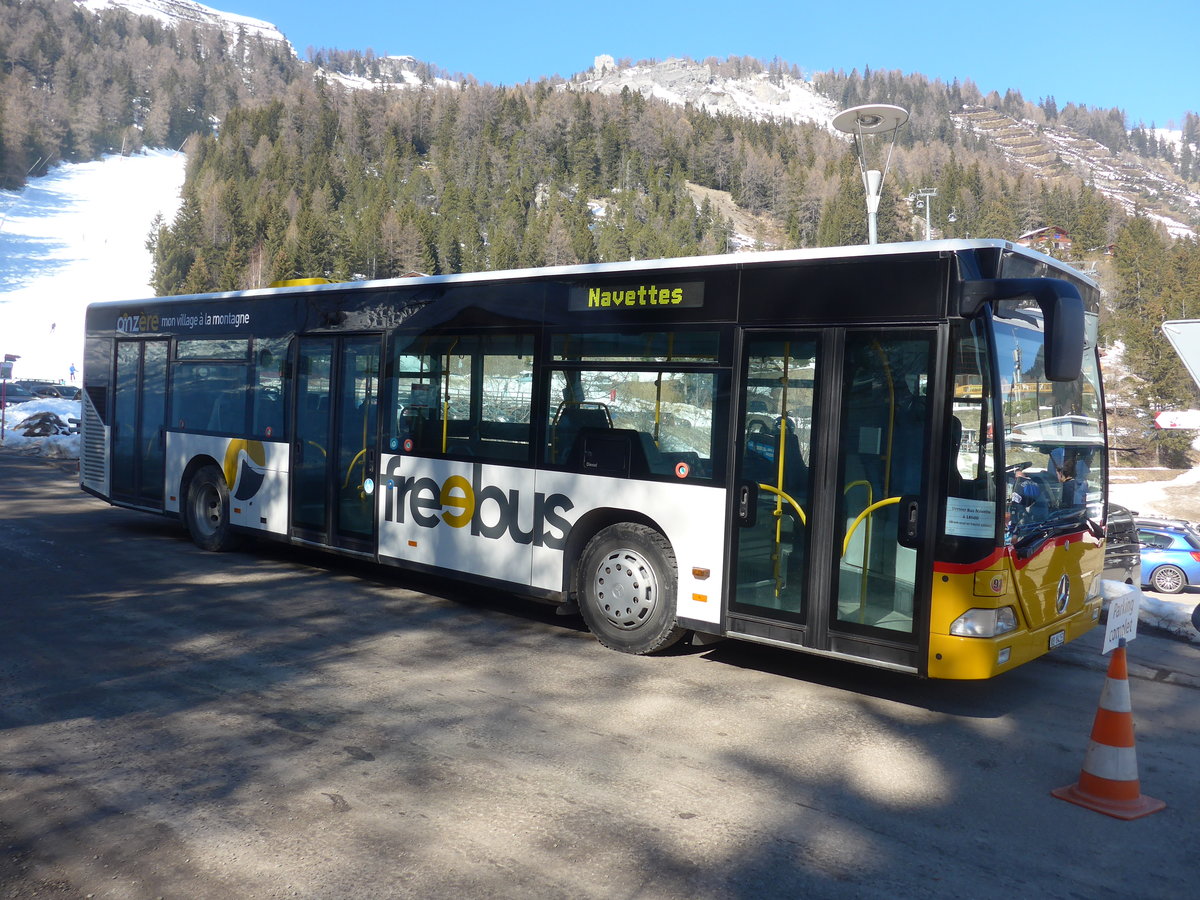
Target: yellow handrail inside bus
x=780 y=452
x=862 y=589
x=318 y=446
x=890 y=501
x=350 y=468
x=862 y=483
x=887 y=371
x=862 y=592
x=790 y=501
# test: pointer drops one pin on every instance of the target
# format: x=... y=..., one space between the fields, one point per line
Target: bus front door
x=334 y=443
x=832 y=488
x=139 y=416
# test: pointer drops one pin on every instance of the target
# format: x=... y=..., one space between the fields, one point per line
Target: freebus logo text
x=489 y=511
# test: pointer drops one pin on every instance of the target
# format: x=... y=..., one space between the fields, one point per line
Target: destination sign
x=639 y=296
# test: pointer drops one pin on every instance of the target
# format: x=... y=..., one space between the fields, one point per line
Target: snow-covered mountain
x=1129 y=180
x=1043 y=151
x=758 y=95
x=172 y=12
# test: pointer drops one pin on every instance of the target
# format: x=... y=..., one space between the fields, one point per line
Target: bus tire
x=207 y=513
x=627 y=588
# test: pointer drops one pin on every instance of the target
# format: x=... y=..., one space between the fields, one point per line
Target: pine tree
x=1147 y=293
x=843 y=220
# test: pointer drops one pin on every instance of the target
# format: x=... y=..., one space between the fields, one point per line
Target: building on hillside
x=1050 y=238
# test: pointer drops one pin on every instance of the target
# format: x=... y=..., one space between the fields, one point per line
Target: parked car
x=1170 y=554
x=15 y=393
x=46 y=389
x=1166 y=521
x=1122 y=553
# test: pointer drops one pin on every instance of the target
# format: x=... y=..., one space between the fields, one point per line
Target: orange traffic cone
x=1108 y=782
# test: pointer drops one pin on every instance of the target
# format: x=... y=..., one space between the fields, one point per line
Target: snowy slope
x=75 y=236
x=171 y=12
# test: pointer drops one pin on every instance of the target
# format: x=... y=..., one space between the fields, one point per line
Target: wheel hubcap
x=1167 y=581
x=626 y=588
x=208 y=509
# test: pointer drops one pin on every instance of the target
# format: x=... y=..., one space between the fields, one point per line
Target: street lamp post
x=871 y=119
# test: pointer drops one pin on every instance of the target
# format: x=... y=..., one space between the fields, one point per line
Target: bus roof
x=719 y=261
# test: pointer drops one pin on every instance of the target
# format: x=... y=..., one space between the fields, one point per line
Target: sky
x=1141 y=58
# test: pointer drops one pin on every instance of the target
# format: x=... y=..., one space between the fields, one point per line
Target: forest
x=293 y=174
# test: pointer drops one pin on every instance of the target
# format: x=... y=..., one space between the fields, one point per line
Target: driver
x=1027 y=501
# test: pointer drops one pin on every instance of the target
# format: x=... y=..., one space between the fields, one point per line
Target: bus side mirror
x=1064 y=337
x=1062 y=317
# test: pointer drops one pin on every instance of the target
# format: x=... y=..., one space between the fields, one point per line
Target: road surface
x=277 y=724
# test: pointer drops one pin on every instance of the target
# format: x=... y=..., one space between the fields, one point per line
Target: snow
x=56 y=446
x=73 y=237
x=78 y=235
x=679 y=81
x=172 y=12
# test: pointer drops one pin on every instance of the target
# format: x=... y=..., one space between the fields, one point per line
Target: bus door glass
x=775 y=478
x=831 y=485
x=139 y=416
x=334 y=448
x=883 y=469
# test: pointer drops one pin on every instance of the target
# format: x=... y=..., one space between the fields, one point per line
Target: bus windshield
x=1053 y=431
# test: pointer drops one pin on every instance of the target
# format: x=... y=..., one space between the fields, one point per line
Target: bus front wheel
x=207 y=514
x=627 y=586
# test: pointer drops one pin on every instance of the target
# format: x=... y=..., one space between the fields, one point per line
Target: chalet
x=1046 y=239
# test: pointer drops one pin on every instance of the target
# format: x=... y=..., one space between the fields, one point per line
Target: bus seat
x=761 y=462
x=570 y=419
x=229 y=411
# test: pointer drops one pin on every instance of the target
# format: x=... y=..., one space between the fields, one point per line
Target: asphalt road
x=275 y=724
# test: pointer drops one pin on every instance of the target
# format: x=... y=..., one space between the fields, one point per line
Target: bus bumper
x=967 y=658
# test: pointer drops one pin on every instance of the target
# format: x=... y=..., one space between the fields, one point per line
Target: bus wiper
x=1029 y=544
x=1034 y=534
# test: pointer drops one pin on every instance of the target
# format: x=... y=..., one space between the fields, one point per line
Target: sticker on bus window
x=681 y=470
x=970 y=518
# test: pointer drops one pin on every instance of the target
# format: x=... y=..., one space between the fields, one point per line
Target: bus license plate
x=1058 y=639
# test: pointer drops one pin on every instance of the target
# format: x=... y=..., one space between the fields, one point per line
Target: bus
x=890 y=454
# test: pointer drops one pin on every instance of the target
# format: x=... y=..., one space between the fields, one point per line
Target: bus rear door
x=139 y=417
x=833 y=491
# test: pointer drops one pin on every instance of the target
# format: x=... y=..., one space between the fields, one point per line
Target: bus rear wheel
x=627 y=587
x=207 y=514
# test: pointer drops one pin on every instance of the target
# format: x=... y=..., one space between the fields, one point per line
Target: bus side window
x=210 y=396
x=229 y=410
x=267 y=391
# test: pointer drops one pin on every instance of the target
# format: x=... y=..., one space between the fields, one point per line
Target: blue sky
x=1141 y=57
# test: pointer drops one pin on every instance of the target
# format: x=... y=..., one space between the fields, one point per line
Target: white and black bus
x=856 y=452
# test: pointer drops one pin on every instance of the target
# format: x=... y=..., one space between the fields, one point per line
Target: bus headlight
x=985 y=622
